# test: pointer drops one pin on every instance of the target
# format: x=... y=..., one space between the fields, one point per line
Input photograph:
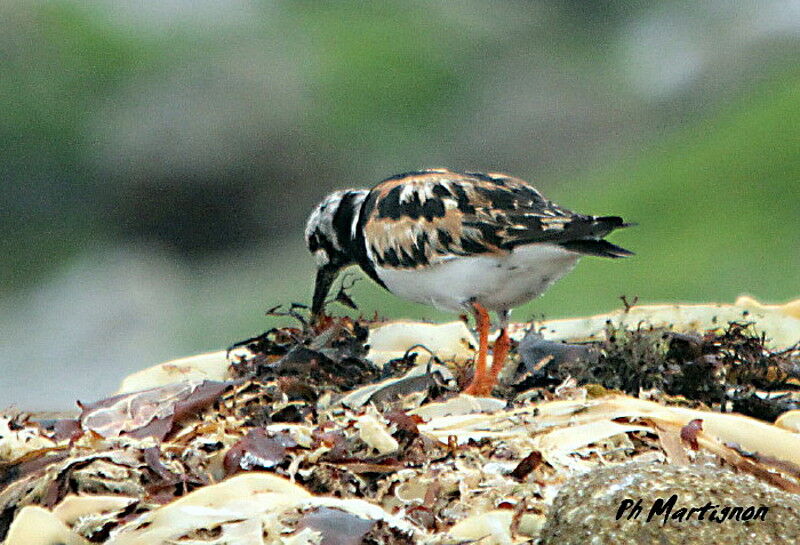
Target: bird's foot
x=483 y=383
x=479 y=389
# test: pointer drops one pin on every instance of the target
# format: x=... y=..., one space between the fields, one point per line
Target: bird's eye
x=321 y=257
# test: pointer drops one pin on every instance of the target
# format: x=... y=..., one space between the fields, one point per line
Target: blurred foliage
x=381 y=69
x=208 y=131
x=717 y=204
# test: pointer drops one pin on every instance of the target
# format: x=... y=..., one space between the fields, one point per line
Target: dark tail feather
x=594 y=227
x=601 y=248
x=613 y=222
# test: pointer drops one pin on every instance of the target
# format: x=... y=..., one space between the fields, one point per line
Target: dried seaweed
x=314 y=442
x=325 y=357
x=731 y=369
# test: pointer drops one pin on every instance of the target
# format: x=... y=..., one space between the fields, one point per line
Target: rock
x=586 y=508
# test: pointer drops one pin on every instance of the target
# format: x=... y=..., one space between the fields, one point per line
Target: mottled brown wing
x=418 y=218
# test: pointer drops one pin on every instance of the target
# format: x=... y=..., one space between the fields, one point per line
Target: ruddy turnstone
x=458 y=241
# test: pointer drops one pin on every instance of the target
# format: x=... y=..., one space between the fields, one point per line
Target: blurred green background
x=159 y=159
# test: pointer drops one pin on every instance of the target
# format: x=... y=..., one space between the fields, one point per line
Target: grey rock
x=586 y=508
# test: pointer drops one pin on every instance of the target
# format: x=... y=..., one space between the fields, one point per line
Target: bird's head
x=330 y=231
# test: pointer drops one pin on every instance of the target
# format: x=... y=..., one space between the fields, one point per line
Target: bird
x=466 y=242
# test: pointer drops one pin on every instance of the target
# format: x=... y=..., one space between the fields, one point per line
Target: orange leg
x=483 y=384
x=480 y=380
x=499 y=353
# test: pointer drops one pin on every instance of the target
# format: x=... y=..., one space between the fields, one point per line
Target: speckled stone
x=585 y=510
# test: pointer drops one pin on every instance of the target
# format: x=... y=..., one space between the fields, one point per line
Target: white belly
x=496 y=282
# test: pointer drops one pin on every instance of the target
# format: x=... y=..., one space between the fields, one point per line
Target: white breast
x=496 y=282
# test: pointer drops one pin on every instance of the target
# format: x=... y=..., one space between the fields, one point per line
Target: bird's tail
x=601 y=248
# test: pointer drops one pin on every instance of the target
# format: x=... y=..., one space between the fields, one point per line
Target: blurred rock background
x=158 y=160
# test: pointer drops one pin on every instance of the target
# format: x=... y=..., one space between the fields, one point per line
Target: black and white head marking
x=329 y=236
x=329 y=229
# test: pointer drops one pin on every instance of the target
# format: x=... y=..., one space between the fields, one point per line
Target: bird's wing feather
x=418 y=218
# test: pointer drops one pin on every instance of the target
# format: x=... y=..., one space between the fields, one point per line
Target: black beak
x=325 y=277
